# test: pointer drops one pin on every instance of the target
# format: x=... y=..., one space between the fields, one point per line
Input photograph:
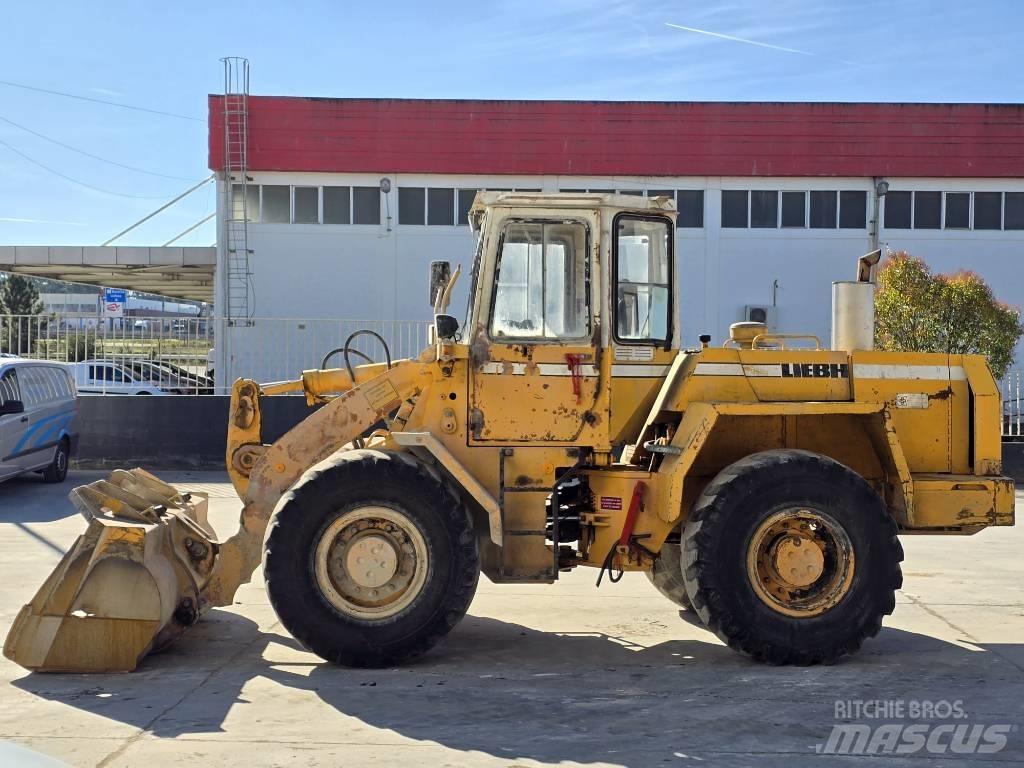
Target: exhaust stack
x=853 y=308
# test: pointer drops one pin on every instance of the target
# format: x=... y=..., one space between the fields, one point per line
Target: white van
x=104 y=377
x=38 y=419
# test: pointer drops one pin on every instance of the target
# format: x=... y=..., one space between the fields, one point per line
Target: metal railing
x=1013 y=405
x=178 y=354
x=275 y=349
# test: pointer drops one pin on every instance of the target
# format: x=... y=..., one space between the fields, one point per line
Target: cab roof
x=571 y=200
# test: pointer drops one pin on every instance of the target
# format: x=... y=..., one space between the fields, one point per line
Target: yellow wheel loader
x=761 y=481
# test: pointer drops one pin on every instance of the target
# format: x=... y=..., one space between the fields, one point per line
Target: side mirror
x=11 y=406
x=440 y=274
x=446 y=325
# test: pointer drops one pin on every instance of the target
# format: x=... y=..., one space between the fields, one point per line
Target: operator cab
x=551 y=294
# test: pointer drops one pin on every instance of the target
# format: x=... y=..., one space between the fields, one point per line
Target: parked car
x=105 y=377
x=192 y=383
x=38 y=418
x=169 y=377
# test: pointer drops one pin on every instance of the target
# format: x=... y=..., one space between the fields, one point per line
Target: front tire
x=791 y=557
x=57 y=472
x=371 y=559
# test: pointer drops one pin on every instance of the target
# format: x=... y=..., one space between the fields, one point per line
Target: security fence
x=179 y=355
x=1013 y=416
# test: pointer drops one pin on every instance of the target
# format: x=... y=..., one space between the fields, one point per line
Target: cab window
x=541 y=283
x=643 y=279
x=9 y=389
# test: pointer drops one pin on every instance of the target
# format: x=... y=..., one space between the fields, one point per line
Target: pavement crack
x=935 y=614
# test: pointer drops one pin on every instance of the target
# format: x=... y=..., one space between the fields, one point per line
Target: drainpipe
x=881 y=188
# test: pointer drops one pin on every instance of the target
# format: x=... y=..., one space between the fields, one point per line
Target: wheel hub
x=800 y=562
x=797 y=560
x=371 y=562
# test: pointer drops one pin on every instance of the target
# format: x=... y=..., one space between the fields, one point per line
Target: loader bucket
x=130 y=584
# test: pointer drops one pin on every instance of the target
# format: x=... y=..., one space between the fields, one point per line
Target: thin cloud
x=14 y=220
x=734 y=39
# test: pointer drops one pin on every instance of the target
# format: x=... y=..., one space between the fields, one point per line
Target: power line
x=90 y=154
x=100 y=101
x=163 y=207
x=190 y=229
x=73 y=180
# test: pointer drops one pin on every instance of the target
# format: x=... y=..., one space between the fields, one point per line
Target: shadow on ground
x=513 y=692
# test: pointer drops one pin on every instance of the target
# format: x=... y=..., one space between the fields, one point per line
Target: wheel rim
x=371 y=562
x=62 y=461
x=800 y=562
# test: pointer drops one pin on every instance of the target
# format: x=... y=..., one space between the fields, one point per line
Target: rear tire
x=393 y=516
x=57 y=472
x=667 y=574
x=783 y=512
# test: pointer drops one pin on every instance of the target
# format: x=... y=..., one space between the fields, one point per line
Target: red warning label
x=611 y=502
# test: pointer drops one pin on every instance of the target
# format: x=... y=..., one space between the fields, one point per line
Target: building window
x=988 y=210
x=337 y=208
x=412 y=205
x=366 y=205
x=927 y=210
x=1013 y=215
x=958 y=210
x=466 y=198
x=637 y=192
x=573 y=191
x=853 y=210
x=764 y=209
x=440 y=206
x=734 y=208
x=823 y=209
x=307 y=205
x=690 y=204
x=250 y=209
x=276 y=204
x=897 y=210
x=794 y=209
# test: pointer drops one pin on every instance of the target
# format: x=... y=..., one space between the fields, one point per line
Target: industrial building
x=332 y=209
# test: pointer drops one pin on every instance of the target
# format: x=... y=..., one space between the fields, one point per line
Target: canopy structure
x=179 y=273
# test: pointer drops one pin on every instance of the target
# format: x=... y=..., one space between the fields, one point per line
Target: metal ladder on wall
x=238 y=278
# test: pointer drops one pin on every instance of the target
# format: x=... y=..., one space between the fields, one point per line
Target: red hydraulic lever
x=635 y=504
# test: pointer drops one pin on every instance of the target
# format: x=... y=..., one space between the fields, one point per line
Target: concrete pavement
x=562 y=675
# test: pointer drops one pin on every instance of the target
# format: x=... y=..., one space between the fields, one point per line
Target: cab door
x=535 y=360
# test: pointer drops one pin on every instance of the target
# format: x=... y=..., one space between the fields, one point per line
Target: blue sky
x=164 y=56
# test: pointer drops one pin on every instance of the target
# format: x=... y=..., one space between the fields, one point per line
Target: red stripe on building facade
x=568 y=138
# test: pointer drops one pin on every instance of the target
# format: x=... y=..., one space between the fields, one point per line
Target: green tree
x=19 y=296
x=918 y=311
x=21 y=315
